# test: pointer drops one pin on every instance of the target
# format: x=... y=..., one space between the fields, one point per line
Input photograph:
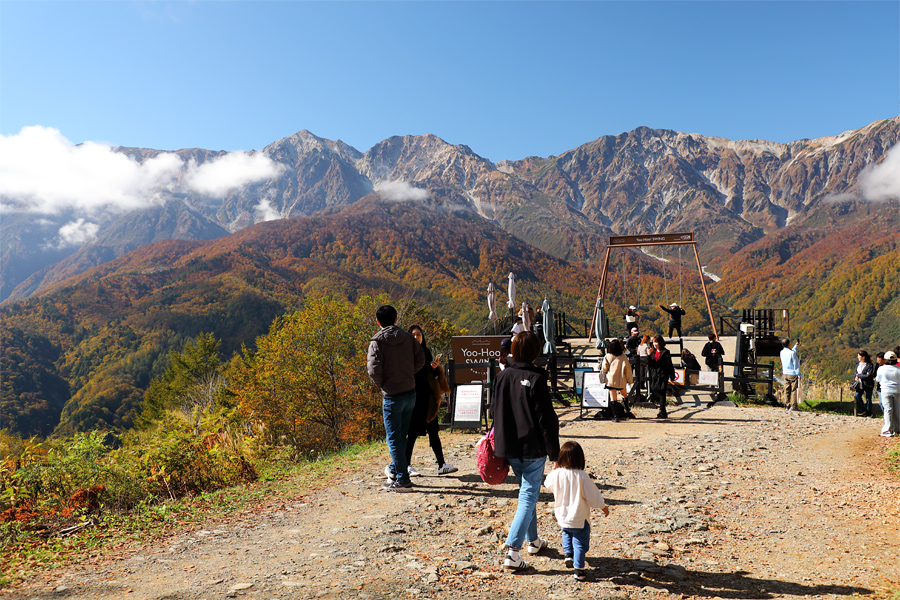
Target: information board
x=467 y=408
x=708 y=378
x=595 y=393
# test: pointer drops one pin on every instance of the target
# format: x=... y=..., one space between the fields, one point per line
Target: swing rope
x=624 y=285
x=665 y=277
x=640 y=250
x=679 y=277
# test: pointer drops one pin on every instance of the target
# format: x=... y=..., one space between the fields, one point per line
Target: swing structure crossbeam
x=658 y=239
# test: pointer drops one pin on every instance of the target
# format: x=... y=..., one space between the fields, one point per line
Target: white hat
x=889 y=355
x=674 y=304
x=632 y=307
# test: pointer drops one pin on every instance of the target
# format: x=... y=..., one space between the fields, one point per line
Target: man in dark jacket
x=394 y=358
x=675 y=314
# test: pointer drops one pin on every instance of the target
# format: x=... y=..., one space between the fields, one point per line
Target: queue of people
x=881 y=378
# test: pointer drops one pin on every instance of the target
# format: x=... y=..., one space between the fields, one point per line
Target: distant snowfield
x=712 y=276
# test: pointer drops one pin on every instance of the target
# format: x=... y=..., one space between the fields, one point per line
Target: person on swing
x=675 y=313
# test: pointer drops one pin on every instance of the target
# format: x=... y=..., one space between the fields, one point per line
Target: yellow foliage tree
x=306 y=384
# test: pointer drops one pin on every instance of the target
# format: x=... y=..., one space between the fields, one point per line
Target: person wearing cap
x=675 y=314
x=505 y=345
x=631 y=318
x=888 y=378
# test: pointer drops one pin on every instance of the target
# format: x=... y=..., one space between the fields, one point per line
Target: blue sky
x=508 y=79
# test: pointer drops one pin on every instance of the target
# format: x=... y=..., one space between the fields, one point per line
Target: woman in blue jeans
x=526 y=433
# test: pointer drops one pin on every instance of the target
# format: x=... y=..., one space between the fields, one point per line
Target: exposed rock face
x=730 y=193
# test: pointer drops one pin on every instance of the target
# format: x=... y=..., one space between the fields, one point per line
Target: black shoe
x=570 y=562
x=662 y=415
x=579 y=575
x=398 y=486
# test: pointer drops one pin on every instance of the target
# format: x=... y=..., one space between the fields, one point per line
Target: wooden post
x=712 y=320
x=600 y=293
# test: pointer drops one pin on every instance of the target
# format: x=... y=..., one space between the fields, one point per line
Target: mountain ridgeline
x=84 y=330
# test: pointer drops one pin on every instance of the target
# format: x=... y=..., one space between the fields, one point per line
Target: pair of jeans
x=576 y=543
x=529 y=474
x=860 y=406
x=397 y=411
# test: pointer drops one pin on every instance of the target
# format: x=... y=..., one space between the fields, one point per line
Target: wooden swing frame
x=658 y=239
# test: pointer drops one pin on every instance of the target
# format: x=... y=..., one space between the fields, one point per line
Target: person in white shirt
x=518 y=328
x=574 y=495
x=888 y=378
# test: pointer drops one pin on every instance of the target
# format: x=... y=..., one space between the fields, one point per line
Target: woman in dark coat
x=865 y=375
x=661 y=373
x=526 y=433
x=419 y=425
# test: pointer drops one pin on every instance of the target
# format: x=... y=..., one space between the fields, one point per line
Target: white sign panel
x=468 y=403
x=708 y=378
x=679 y=377
x=595 y=393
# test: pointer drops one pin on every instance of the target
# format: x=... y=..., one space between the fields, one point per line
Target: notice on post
x=595 y=393
x=468 y=403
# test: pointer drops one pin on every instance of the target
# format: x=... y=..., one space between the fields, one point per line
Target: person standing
x=423 y=423
x=662 y=371
x=713 y=352
x=393 y=359
x=631 y=318
x=864 y=383
x=888 y=378
x=618 y=374
x=790 y=368
x=675 y=314
x=526 y=433
x=518 y=328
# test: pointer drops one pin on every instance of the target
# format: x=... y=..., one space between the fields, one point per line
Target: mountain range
x=83 y=330
x=644 y=181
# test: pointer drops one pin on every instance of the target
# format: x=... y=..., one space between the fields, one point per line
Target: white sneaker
x=515 y=565
x=447 y=468
x=412 y=471
x=536 y=546
x=388 y=474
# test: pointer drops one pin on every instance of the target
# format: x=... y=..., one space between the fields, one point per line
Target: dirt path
x=716 y=502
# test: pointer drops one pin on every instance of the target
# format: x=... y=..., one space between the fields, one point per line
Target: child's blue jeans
x=577 y=542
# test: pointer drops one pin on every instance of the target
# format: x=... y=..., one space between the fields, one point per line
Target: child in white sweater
x=574 y=494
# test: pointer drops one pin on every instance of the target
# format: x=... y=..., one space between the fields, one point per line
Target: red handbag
x=492 y=468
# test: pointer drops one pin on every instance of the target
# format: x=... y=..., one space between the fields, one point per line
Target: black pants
x=433 y=429
x=674 y=327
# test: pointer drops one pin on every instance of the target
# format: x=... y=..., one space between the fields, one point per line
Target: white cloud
x=43 y=172
x=266 y=212
x=233 y=170
x=881 y=182
x=77 y=232
x=401 y=191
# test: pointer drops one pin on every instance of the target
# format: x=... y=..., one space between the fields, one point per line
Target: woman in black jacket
x=864 y=383
x=419 y=424
x=526 y=433
x=661 y=373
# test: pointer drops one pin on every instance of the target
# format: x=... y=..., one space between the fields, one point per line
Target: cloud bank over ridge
x=43 y=172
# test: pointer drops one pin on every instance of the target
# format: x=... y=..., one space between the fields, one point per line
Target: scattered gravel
x=717 y=502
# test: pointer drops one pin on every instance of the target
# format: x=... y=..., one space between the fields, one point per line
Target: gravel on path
x=715 y=502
